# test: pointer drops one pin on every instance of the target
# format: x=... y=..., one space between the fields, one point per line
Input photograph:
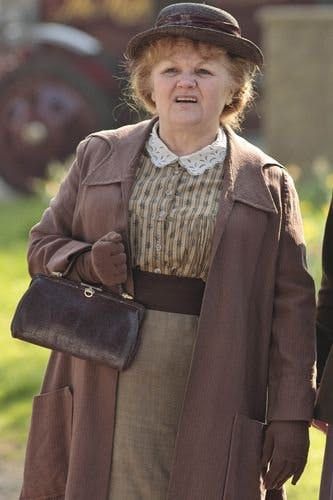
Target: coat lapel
x=243 y=182
x=125 y=147
x=243 y=177
x=216 y=382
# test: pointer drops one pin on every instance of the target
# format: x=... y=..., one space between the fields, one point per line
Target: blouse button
x=158 y=247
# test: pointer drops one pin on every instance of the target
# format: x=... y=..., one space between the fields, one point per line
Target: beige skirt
x=149 y=402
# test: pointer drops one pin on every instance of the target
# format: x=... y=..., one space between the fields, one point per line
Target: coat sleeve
x=51 y=245
x=291 y=388
x=324 y=326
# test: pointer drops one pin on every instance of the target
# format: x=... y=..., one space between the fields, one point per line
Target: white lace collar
x=195 y=163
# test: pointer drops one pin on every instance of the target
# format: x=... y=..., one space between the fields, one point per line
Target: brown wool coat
x=256 y=331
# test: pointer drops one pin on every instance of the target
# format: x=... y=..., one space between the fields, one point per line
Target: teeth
x=186 y=99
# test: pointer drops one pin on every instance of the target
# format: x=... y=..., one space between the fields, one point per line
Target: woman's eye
x=170 y=70
x=203 y=71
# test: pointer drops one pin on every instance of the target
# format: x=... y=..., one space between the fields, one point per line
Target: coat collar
x=243 y=182
x=126 y=145
x=243 y=172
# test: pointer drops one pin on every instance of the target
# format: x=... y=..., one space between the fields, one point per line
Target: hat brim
x=237 y=46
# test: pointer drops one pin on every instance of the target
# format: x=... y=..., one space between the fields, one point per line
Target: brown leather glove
x=105 y=263
x=285 y=449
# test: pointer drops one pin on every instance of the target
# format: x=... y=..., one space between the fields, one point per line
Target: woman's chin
x=186 y=121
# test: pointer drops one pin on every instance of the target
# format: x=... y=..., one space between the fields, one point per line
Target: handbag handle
x=70 y=265
x=65 y=273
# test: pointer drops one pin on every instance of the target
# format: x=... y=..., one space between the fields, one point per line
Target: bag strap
x=71 y=263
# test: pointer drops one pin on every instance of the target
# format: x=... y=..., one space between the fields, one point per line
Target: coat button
x=157 y=270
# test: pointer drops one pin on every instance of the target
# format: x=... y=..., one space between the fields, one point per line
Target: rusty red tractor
x=60 y=76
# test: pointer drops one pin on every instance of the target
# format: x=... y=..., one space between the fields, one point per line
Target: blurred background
x=62 y=77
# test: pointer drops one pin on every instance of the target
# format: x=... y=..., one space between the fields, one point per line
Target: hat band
x=188 y=20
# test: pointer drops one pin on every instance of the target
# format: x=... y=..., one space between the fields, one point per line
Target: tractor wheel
x=46 y=108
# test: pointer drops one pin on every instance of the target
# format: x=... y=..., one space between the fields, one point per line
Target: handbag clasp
x=90 y=290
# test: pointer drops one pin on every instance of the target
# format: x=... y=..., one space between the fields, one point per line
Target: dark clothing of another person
x=324 y=405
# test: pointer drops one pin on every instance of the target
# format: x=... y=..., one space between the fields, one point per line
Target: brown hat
x=200 y=22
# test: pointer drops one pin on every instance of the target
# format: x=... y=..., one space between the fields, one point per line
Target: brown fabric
x=168 y=293
x=255 y=331
x=52 y=417
x=149 y=401
x=285 y=452
x=324 y=404
x=108 y=260
x=85 y=454
x=326 y=483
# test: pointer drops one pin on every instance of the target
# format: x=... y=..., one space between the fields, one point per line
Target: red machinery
x=59 y=77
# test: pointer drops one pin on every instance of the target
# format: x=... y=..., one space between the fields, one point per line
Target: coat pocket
x=47 y=455
x=243 y=471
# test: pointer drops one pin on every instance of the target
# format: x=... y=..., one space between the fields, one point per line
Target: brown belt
x=168 y=293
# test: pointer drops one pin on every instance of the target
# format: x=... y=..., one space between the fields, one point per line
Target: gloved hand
x=105 y=263
x=285 y=449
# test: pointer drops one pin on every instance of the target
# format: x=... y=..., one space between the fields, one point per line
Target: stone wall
x=297 y=110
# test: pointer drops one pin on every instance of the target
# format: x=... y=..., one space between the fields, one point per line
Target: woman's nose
x=188 y=82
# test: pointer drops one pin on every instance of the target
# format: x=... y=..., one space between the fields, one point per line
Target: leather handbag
x=79 y=319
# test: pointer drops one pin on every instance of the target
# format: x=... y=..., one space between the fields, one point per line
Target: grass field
x=22 y=365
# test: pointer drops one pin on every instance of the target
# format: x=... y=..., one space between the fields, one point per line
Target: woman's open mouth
x=186 y=99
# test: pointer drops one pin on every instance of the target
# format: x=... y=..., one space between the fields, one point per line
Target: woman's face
x=190 y=90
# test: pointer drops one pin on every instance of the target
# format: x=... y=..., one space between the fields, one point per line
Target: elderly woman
x=204 y=229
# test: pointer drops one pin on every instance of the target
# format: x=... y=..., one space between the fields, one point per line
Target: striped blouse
x=172 y=218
